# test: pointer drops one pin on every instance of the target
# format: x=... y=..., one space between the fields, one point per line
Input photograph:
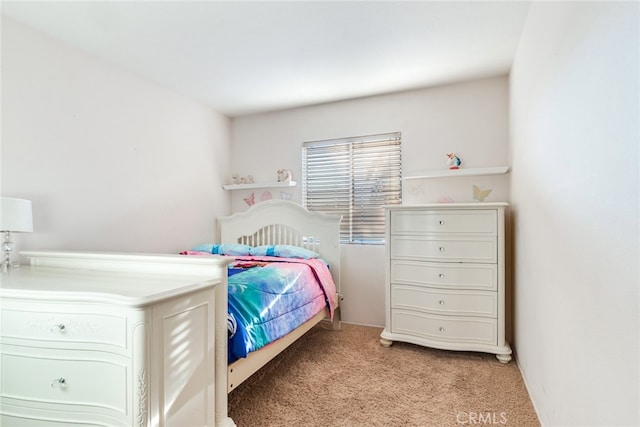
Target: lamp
x=15 y=216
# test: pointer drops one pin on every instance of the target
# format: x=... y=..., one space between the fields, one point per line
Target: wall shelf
x=445 y=173
x=259 y=185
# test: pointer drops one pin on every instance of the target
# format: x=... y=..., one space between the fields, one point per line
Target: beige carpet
x=346 y=378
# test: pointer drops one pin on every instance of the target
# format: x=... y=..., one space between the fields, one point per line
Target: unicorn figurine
x=454 y=161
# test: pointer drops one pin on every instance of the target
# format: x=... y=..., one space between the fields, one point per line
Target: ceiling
x=245 y=57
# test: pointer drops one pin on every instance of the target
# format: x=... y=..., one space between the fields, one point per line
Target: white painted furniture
x=445 y=277
x=114 y=340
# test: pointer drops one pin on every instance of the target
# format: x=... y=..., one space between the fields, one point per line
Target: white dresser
x=445 y=277
x=113 y=340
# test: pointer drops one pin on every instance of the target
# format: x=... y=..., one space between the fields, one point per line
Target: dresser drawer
x=460 y=303
x=32 y=421
x=444 y=328
x=445 y=275
x=453 y=249
x=81 y=382
x=64 y=327
x=478 y=222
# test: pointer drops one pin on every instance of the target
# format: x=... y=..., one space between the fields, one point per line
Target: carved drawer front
x=445 y=275
x=445 y=328
x=7 y=420
x=81 y=382
x=481 y=222
x=461 y=303
x=454 y=249
x=64 y=327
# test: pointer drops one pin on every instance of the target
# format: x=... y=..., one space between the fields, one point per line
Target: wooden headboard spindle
x=280 y=235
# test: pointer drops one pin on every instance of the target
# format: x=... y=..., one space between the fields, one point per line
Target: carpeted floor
x=346 y=378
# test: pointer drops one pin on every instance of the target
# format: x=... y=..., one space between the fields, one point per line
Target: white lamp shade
x=15 y=215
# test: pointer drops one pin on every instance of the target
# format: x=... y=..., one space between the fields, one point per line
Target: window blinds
x=355 y=178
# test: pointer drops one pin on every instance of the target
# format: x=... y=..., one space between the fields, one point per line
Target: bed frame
x=284 y=222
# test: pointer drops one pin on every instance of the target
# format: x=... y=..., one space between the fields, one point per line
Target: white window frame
x=354 y=177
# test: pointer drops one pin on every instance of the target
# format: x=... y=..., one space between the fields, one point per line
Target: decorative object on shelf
x=251 y=200
x=237 y=179
x=284 y=175
x=15 y=216
x=286 y=196
x=454 y=161
x=479 y=194
x=266 y=196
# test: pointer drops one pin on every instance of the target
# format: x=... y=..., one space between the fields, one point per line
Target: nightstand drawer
x=445 y=328
x=454 y=249
x=459 y=303
x=64 y=327
x=445 y=275
x=480 y=222
x=81 y=382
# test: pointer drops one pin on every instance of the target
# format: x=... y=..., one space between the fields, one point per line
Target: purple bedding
x=272 y=297
x=268 y=301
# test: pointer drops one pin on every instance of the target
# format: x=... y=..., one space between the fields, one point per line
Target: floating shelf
x=259 y=185
x=445 y=173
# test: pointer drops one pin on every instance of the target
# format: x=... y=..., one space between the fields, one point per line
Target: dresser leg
x=503 y=358
x=385 y=343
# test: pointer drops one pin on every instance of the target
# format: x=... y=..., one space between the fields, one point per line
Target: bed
x=285 y=223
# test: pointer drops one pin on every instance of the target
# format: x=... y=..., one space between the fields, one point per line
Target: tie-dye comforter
x=267 y=302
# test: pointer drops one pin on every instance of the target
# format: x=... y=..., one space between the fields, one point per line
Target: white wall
x=469 y=118
x=111 y=161
x=575 y=184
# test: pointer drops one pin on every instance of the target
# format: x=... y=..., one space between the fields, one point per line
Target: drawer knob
x=441 y=222
x=441 y=302
x=441 y=276
x=441 y=248
x=60 y=327
x=441 y=329
x=59 y=381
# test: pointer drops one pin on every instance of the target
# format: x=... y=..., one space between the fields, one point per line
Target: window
x=355 y=178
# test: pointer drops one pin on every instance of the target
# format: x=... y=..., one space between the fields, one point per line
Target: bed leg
x=335 y=323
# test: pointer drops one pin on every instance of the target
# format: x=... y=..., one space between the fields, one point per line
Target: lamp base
x=8 y=246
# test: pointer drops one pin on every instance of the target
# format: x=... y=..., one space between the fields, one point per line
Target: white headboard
x=283 y=222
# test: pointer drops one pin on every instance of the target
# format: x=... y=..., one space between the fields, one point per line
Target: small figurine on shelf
x=284 y=175
x=237 y=179
x=454 y=161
